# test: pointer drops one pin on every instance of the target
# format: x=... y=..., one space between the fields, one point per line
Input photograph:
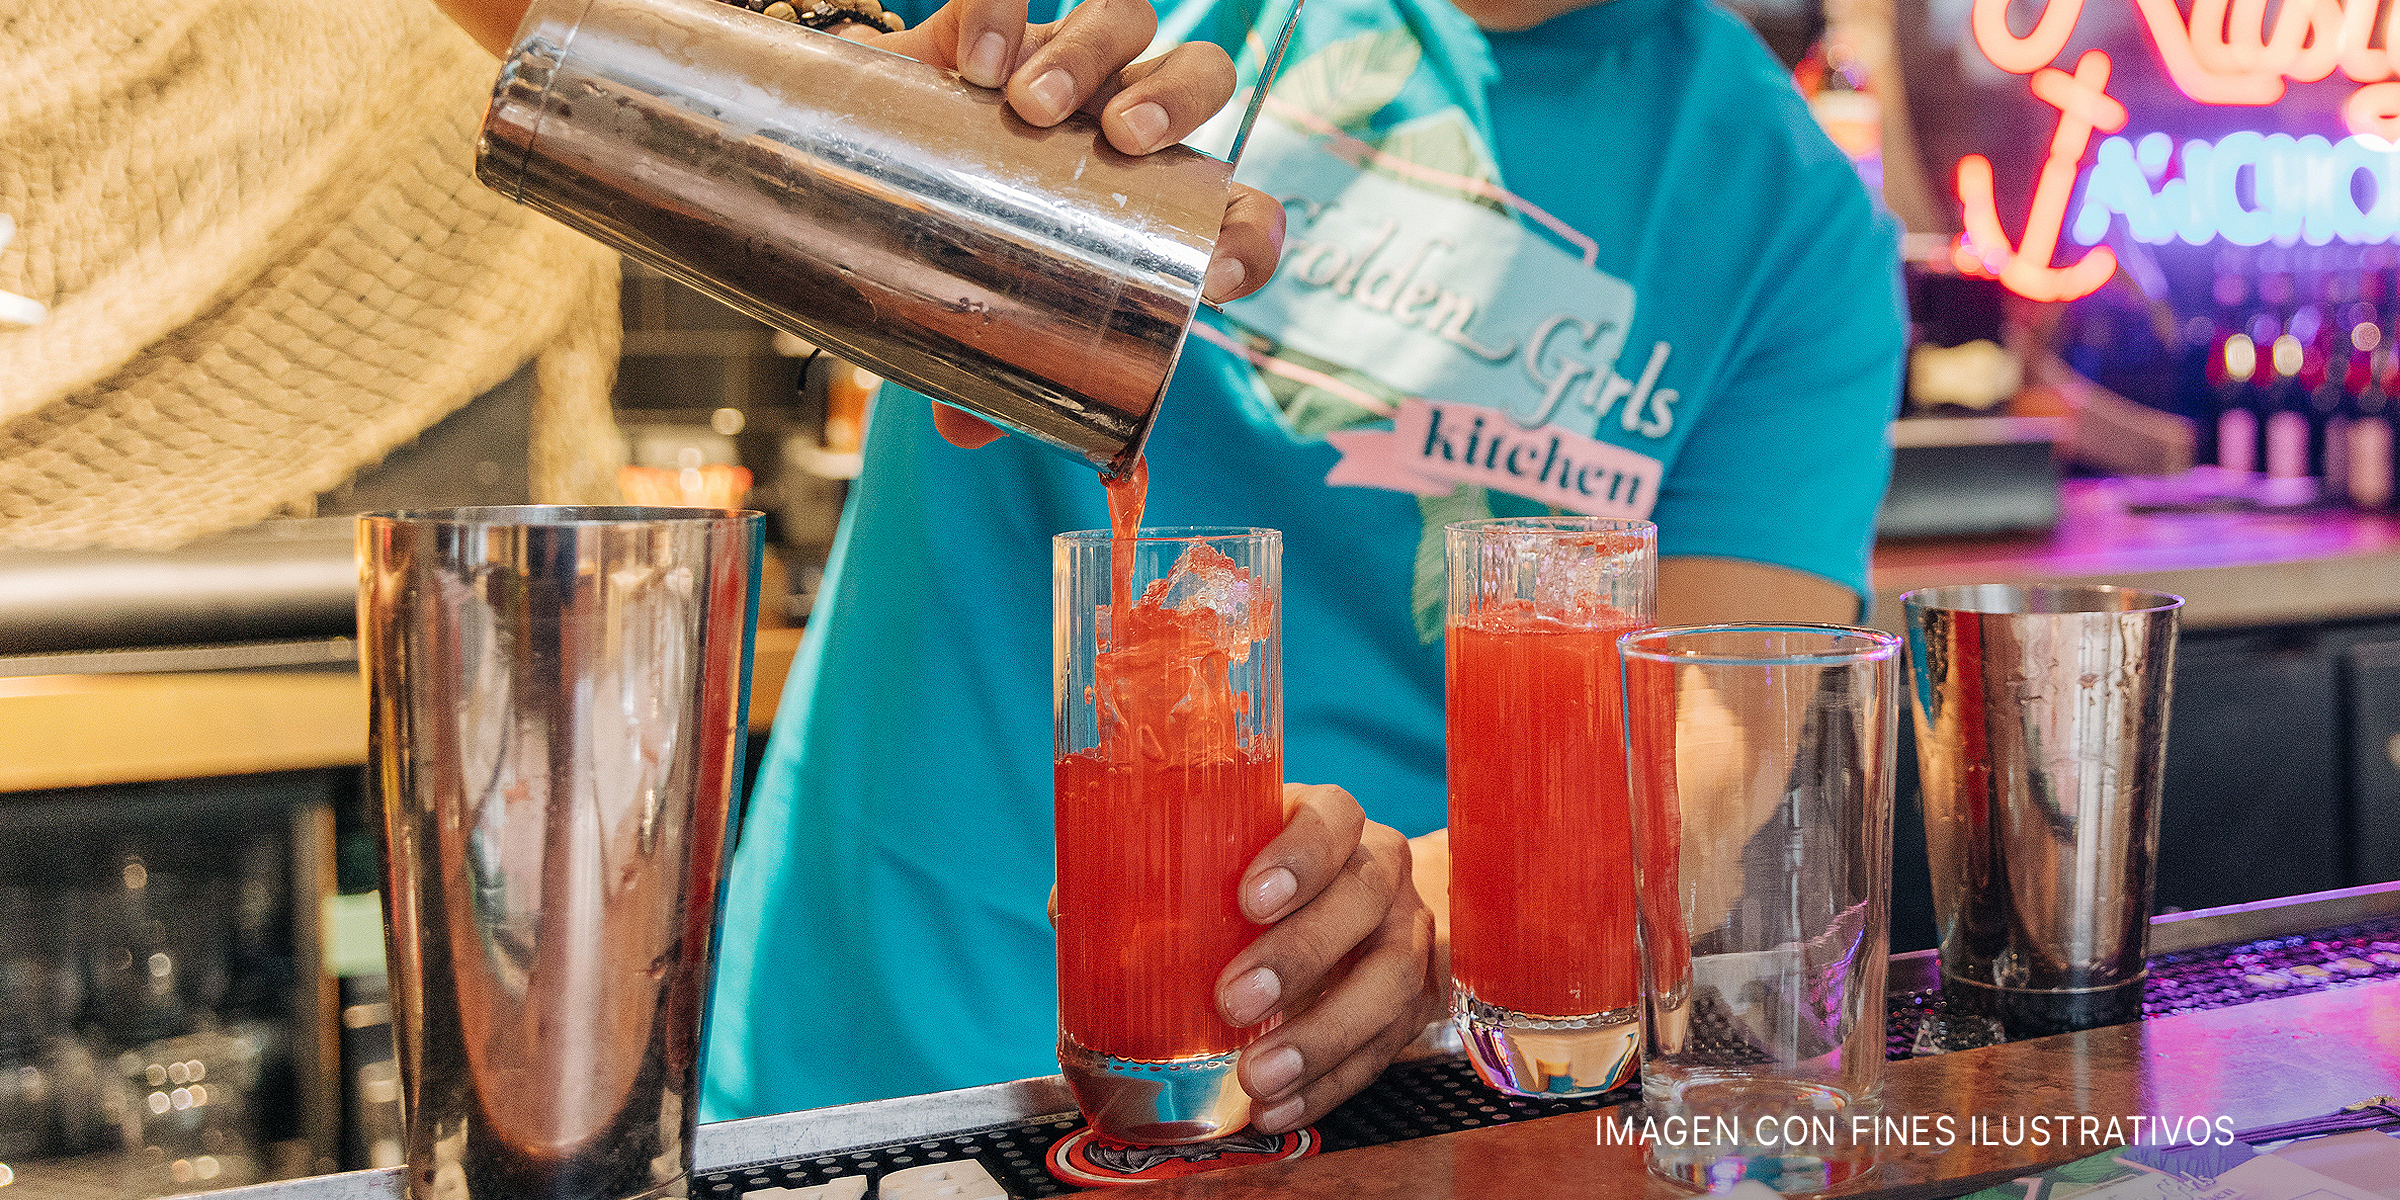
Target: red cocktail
x=1542 y=952
x=1169 y=772
x=1147 y=867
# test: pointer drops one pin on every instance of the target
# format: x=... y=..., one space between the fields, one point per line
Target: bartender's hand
x=1085 y=61
x=1348 y=963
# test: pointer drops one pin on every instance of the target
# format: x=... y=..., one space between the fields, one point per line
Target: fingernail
x=1252 y=996
x=1275 y=1072
x=1279 y=1118
x=1148 y=123
x=987 y=62
x=1268 y=891
x=1224 y=278
x=1053 y=94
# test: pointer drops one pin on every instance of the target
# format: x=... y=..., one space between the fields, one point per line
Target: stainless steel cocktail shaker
x=883 y=209
x=557 y=699
x=2041 y=722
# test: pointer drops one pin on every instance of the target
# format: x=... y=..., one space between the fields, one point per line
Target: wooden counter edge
x=69 y=731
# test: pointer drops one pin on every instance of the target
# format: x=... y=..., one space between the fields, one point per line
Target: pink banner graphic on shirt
x=1433 y=447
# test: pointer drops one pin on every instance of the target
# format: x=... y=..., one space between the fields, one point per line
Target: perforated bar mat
x=1442 y=1095
x=1412 y=1099
x=2189 y=981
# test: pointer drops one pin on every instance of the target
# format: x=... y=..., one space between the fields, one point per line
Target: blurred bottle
x=2369 y=433
x=68 y=1057
x=2237 y=423
x=28 y=1120
x=136 y=963
x=2205 y=338
x=2287 y=408
x=849 y=400
x=2329 y=449
x=1842 y=97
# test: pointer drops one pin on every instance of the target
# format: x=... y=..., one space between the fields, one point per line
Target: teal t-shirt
x=1607 y=265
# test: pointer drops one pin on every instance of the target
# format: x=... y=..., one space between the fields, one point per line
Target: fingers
x=1247 y=246
x=1080 y=55
x=1320 y=831
x=1294 y=958
x=1316 y=1060
x=988 y=40
x=1079 y=62
x=1160 y=101
x=962 y=428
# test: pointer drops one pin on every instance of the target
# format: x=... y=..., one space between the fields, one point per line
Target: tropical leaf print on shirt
x=1351 y=80
x=1429 y=593
x=1447 y=144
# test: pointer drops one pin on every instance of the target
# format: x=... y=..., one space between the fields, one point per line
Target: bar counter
x=2232 y=566
x=2250 y=1063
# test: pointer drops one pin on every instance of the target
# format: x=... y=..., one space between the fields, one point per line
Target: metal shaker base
x=1527 y=1054
x=1171 y=1103
x=2027 y=1013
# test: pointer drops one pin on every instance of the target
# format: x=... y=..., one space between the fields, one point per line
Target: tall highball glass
x=1762 y=825
x=1542 y=961
x=1169 y=759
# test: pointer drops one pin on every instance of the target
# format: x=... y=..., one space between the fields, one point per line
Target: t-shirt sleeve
x=1789 y=459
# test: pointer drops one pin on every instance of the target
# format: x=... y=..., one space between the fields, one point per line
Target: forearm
x=1715 y=591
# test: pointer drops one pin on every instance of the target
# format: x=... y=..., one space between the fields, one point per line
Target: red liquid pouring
x=1158 y=821
x=1541 y=859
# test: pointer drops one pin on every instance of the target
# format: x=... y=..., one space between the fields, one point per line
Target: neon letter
x=2178 y=47
x=2236 y=224
x=2116 y=184
x=2023 y=55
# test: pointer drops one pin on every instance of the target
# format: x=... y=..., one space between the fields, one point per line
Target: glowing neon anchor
x=2083 y=105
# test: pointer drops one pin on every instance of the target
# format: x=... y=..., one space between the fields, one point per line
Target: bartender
x=1544 y=255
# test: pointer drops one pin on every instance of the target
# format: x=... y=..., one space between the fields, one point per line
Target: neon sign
x=2304 y=189
x=2225 y=53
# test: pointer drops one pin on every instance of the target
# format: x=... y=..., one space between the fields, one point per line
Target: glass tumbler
x=1542 y=960
x=1762 y=820
x=1169 y=715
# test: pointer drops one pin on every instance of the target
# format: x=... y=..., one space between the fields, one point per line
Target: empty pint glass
x=1169 y=715
x=2041 y=744
x=557 y=697
x=1542 y=954
x=1762 y=818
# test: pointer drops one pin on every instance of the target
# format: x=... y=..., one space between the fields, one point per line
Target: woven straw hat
x=267 y=264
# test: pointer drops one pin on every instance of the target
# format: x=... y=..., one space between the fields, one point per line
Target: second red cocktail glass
x=1542 y=954
x=1169 y=782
